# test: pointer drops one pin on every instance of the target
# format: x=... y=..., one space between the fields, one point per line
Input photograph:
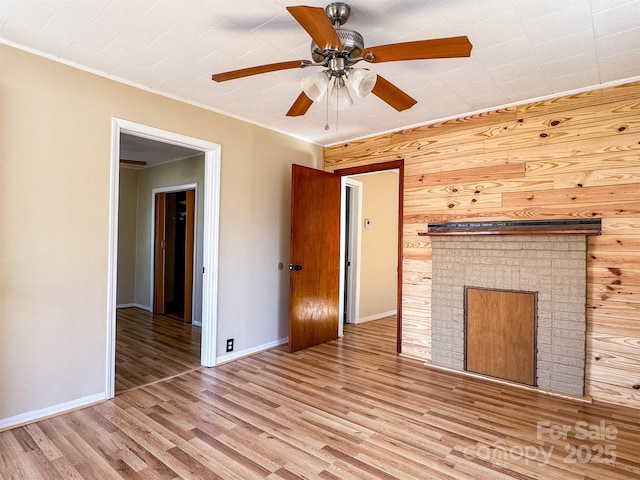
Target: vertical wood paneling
x=576 y=156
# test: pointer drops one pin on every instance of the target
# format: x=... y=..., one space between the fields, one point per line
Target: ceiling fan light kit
x=338 y=49
x=362 y=81
x=340 y=97
x=315 y=85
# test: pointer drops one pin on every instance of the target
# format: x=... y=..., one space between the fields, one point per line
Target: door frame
x=211 y=235
x=371 y=168
x=152 y=274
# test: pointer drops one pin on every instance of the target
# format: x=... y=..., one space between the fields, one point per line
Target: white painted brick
x=559 y=386
x=537 y=262
x=567 y=307
x=567 y=346
x=568 y=370
x=565 y=360
x=543 y=337
x=544 y=348
x=570 y=317
x=568 y=379
x=560 y=333
x=568 y=325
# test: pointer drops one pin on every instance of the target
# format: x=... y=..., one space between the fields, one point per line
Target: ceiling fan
x=337 y=50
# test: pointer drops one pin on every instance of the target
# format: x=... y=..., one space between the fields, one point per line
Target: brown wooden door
x=500 y=334
x=314 y=257
x=159 y=252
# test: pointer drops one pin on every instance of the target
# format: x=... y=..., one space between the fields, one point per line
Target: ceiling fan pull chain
x=326 y=116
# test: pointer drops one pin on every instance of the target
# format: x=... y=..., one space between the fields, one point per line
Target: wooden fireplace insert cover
x=500 y=334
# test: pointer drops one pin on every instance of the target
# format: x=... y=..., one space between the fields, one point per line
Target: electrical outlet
x=229 y=344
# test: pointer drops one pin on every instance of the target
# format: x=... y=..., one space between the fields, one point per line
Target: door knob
x=297 y=268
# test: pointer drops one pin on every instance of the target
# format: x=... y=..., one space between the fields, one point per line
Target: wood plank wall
x=576 y=156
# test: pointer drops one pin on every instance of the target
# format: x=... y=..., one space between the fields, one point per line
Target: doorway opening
x=351 y=226
x=350 y=274
x=210 y=236
x=174 y=239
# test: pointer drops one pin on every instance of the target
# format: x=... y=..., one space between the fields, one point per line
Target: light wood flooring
x=347 y=409
x=152 y=347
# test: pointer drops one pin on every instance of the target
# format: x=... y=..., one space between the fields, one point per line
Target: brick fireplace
x=548 y=258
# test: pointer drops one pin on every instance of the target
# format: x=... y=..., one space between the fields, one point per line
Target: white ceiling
x=522 y=49
x=151 y=152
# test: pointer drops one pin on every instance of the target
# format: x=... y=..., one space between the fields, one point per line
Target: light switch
x=367 y=223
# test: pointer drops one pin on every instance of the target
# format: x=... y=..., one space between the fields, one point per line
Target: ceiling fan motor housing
x=352 y=43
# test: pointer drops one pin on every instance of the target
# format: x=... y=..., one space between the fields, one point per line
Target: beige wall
x=379 y=249
x=127 y=218
x=54 y=226
x=576 y=156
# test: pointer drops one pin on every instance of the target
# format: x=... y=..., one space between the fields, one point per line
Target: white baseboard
x=377 y=316
x=135 y=305
x=227 y=357
x=41 y=414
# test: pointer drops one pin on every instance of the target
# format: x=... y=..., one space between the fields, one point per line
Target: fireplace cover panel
x=500 y=334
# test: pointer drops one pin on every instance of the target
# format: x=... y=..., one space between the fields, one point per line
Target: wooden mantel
x=526 y=227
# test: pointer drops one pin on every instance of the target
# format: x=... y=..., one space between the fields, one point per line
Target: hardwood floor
x=347 y=409
x=152 y=347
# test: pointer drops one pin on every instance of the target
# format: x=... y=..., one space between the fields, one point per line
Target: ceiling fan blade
x=300 y=106
x=315 y=21
x=391 y=94
x=246 y=72
x=420 y=50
